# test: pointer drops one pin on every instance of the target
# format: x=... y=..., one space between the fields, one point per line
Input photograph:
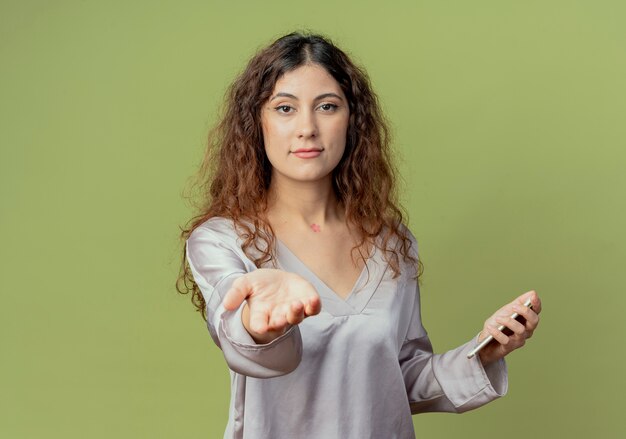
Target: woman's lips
x=307 y=153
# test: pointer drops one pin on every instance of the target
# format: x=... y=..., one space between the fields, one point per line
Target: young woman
x=301 y=264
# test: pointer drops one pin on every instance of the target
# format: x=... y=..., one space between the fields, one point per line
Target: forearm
x=449 y=382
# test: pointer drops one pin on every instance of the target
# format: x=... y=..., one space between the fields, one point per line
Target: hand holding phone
x=502 y=328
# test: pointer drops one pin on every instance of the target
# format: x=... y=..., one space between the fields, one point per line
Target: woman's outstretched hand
x=520 y=331
x=275 y=300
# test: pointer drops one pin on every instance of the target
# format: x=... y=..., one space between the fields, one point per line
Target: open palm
x=275 y=300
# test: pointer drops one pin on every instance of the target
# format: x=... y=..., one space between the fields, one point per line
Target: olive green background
x=509 y=122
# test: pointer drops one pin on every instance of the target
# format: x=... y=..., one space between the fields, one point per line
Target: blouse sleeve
x=448 y=382
x=215 y=264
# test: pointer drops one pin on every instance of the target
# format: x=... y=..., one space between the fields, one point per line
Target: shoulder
x=411 y=246
x=396 y=240
x=215 y=243
x=215 y=230
x=405 y=229
x=404 y=244
x=216 y=224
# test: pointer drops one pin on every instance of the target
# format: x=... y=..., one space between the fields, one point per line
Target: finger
x=296 y=313
x=313 y=306
x=498 y=335
x=516 y=342
x=512 y=324
x=534 y=300
x=277 y=323
x=276 y=317
x=259 y=321
x=237 y=293
x=532 y=319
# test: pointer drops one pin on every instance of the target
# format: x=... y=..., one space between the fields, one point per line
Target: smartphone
x=501 y=328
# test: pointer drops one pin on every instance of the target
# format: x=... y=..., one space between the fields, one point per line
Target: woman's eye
x=328 y=107
x=284 y=109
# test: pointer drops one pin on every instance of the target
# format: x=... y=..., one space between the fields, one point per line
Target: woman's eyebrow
x=289 y=95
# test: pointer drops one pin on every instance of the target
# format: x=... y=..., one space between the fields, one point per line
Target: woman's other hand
x=275 y=300
x=520 y=331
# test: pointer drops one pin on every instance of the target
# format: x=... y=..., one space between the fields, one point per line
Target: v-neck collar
x=362 y=290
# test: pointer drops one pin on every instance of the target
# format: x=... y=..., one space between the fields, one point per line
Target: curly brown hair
x=234 y=177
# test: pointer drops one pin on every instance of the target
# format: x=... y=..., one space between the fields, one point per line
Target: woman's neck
x=310 y=204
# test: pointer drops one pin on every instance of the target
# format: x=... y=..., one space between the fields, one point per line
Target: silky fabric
x=358 y=369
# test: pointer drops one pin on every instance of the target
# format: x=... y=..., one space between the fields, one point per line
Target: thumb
x=532 y=295
x=238 y=292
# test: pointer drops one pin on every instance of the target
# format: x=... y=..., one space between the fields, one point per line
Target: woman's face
x=305 y=122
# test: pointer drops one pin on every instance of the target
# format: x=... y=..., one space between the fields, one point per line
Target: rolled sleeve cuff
x=243 y=355
x=466 y=382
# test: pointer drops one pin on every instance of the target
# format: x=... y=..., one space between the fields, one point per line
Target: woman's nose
x=307 y=126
